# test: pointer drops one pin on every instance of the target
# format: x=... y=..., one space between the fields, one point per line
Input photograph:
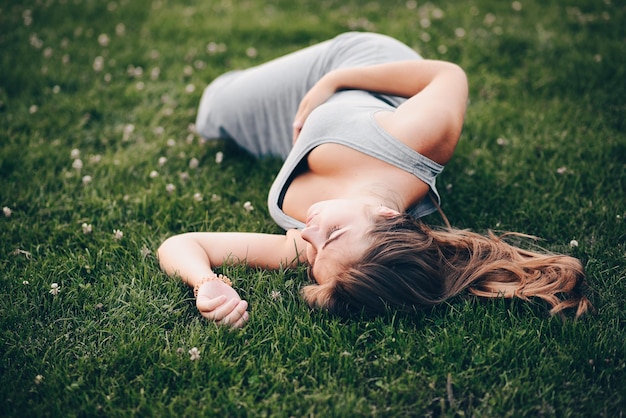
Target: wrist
x=209 y=278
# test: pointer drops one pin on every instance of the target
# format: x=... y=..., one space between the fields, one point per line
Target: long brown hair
x=410 y=266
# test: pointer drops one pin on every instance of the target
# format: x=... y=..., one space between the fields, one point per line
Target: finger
x=207 y=304
x=235 y=314
x=244 y=318
x=223 y=310
x=297 y=127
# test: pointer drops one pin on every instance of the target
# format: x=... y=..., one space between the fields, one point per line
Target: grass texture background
x=99 y=164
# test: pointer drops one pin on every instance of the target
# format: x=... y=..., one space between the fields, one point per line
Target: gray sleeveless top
x=256 y=108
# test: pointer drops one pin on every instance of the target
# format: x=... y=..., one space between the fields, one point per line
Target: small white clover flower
x=87 y=180
x=120 y=29
x=171 y=142
x=215 y=198
x=276 y=295
x=162 y=161
x=490 y=19
x=154 y=174
x=145 y=251
x=117 y=234
x=128 y=129
x=561 y=170
x=184 y=176
x=7 y=211
x=103 y=39
x=38 y=379
x=98 y=64
x=54 y=289
x=248 y=207
x=190 y=88
x=194 y=163
x=573 y=243
x=194 y=354
x=159 y=130
x=28 y=18
x=75 y=153
x=33 y=109
x=219 y=157
x=251 y=52
x=197 y=197
x=56 y=89
x=501 y=141
x=87 y=228
x=35 y=41
x=77 y=164
x=517 y=6
x=170 y=188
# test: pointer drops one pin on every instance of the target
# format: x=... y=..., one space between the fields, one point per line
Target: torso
x=334 y=171
x=359 y=156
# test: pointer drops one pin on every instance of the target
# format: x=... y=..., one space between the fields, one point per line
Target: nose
x=311 y=235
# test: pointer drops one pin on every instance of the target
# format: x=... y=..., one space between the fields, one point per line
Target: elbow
x=165 y=246
x=455 y=76
x=460 y=79
x=168 y=249
x=163 y=251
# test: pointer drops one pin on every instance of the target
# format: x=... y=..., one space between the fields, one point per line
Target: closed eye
x=333 y=236
x=331 y=231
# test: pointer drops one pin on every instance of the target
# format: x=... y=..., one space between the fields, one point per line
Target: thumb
x=207 y=304
x=297 y=127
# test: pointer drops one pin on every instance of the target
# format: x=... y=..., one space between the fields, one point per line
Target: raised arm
x=192 y=257
x=430 y=121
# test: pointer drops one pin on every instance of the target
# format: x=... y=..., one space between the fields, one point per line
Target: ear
x=387 y=212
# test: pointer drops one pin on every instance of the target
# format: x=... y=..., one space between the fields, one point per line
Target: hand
x=318 y=94
x=221 y=303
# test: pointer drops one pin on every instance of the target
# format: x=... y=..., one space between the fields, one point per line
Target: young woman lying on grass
x=364 y=125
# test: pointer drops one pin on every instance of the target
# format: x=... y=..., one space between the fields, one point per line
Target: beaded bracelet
x=204 y=280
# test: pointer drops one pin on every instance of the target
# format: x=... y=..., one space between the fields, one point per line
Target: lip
x=310 y=217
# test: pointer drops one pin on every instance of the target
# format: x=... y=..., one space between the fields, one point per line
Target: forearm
x=402 y=78
x=182 y=256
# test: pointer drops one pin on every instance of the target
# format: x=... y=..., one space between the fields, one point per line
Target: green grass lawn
x=99 y=164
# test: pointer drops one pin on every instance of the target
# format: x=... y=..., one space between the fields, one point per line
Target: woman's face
x=336 y=234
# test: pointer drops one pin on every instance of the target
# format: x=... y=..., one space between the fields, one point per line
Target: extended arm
x=192 y=257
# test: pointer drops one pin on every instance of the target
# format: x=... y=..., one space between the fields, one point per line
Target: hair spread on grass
x=410 y=266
